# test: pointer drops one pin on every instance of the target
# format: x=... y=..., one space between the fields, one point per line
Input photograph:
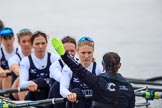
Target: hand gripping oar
x=9 y=73
x=5 y=91
x=39 y=102
x=14 y=90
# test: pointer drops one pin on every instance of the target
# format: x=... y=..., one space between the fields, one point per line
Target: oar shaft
x=139 y=94
x=42 y=102
x=154 y=89
x=158 y=78
x=60 y=100
x=138 y=81
x=5 y=91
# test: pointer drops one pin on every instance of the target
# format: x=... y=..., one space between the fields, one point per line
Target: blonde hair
x=86 y=42
x=22 y=33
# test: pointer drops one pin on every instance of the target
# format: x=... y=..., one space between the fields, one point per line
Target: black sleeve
x=83 y=74
x=132 y=100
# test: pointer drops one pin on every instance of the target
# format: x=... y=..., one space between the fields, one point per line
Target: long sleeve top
x=107 y=88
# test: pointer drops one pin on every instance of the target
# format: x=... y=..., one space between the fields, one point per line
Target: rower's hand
x=15 y=68
x=3 y=73
x=32 y=86
x=72 y=97
x=58 y=46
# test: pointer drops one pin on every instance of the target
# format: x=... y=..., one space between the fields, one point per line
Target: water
x=132 y=28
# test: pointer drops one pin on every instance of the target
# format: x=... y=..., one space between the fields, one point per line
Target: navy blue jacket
x=111 y=89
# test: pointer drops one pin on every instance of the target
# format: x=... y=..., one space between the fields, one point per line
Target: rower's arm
x=131 y=103
x=83 y=74
x=24 y=72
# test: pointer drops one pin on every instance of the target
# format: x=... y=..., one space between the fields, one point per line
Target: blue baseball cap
x=6 y=32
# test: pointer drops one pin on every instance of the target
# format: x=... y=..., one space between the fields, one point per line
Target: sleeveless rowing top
x=35 y=73
x=4 y=62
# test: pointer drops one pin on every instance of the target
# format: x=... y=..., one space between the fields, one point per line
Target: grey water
x=132 y=28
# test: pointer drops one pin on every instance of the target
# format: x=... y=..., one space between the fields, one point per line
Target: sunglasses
x=85 y=39
x=24 y=31
x=6 y=32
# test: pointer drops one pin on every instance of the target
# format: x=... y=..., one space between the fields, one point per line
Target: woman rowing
x=70 y=82
x=56 y=71
x=24 y=40
x=6 y=52
x=34 y=69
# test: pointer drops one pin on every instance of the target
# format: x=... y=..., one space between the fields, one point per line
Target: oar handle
x=84 y=97
x=14 y=90
x=9 y=73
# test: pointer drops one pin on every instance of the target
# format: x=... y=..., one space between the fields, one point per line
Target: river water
x=132 y=28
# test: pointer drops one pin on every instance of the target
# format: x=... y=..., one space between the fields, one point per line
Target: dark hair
x=111 y=61
x=68 y=39
x=1 y=24
x=37 y=34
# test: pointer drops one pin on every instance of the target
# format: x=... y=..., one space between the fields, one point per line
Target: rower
x=24 y=40
x=6 y=52
x=56 y=71
x=34 y=69
x=70 y=82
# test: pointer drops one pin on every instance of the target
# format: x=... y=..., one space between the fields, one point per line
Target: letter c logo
x=111 y=86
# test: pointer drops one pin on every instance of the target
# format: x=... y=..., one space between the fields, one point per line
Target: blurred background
x=132 y=28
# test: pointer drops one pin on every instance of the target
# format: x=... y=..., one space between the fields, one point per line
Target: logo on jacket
x=123 y=88
x=76 y=80
x=110 y=86
x=33 y=71
x=3 y=63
